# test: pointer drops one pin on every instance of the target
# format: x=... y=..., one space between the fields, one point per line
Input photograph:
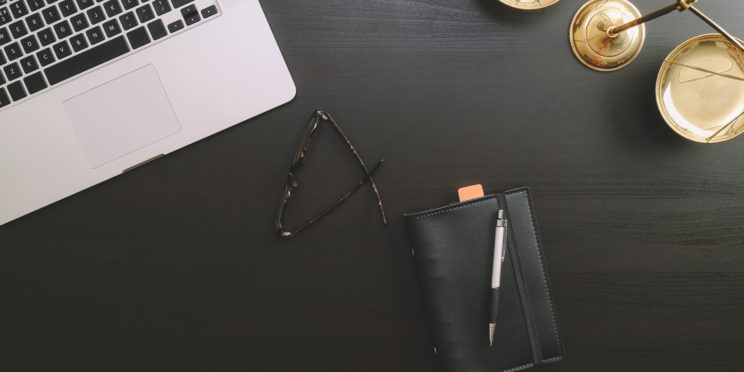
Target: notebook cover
x=453 y=251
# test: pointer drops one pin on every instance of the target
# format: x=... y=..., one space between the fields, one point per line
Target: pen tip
x=491 y=331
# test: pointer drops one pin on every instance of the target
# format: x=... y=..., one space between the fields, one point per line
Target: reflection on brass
x=529 y=4
x=700 y=89
x=590 y=38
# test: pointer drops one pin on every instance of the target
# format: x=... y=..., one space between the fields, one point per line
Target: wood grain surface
x=175 y=266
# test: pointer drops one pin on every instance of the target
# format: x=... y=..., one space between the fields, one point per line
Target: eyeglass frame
x=290 y=184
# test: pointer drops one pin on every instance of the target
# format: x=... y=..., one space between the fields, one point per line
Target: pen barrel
x=494 y=313
x=498 y=252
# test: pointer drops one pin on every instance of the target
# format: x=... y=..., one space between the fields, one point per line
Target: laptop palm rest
x=122 y=116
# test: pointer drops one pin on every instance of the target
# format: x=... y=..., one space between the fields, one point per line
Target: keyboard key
x=67 y=7
x=180 y=3
x=161 y=6
x=79 y=23
x=111 y=28
x=51 y=15
x=16 y=91
x=4 y=36
x=4 y=16
x=18 y=9
x=175 y=26
x=112 y=8
x=18 y=29
x=51 y=1
x=12 y=71
x=4 y=99
x=2 y=62
x=13 y=51
x=157 y=29
x=128 y=20
x=62 y=49
x=96 y=15
x=138 y=37
x=190 y=15
x=145 y=14
x=35 y=83
x=46 y=36
x=62 y=30
x=82 y=4
x=29 y=64
x=209 y=11
x=95 y=35
x=78 y=42
x=2 y=80
x=45 y=57
x=35 y=5
x=129 y=4
x=29 y=44
x=82 y=62
x=34 y=22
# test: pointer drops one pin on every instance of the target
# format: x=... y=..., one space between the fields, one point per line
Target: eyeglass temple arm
x=680 y=5
x=330 y=208
x=326 y=116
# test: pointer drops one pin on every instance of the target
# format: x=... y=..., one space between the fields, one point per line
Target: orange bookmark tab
x=470 y=192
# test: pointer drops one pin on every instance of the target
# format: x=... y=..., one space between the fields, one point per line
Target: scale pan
x=591 y=43
x=529 y=4
x=700 y=89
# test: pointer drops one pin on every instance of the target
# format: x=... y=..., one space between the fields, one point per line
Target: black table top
x=175 y=266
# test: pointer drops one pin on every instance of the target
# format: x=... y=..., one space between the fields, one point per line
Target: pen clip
x=503 y=222
x=503 y=251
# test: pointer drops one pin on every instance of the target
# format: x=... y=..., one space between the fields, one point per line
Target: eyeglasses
x=291 y=183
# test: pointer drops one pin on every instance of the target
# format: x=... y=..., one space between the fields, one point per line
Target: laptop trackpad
x=122 y=116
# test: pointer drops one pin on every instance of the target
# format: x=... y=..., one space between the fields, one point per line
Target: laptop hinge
x=142 y=163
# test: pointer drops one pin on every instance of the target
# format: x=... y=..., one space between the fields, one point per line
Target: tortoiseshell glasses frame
x=291 y=183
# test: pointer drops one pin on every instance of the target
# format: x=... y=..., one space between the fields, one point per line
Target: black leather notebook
x=453 y=250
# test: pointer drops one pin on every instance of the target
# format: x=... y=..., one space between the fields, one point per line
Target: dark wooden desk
x=175 y=266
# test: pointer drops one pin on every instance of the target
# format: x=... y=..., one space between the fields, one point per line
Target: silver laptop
x=92 y=88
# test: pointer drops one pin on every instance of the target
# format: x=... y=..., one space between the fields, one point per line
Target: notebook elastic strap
x=524 y=296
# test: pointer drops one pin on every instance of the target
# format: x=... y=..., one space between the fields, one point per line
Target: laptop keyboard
x=45 y=42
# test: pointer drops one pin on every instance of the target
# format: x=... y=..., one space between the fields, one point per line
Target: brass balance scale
x=700 y=85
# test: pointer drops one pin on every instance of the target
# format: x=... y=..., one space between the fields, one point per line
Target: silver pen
x=499 y=252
